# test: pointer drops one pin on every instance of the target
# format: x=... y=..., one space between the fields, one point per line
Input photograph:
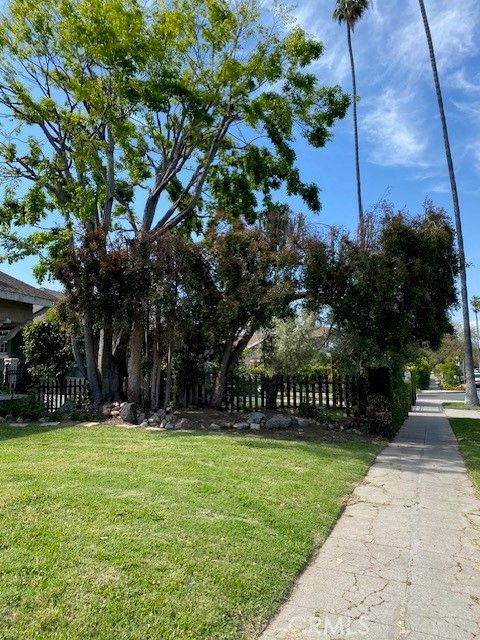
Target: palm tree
x=350 y=12
x=470 y=389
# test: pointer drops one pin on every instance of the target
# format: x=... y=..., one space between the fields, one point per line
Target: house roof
x=18 y=291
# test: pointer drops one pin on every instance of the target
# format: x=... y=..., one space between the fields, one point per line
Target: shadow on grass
x=280 y=440
x=12 y=431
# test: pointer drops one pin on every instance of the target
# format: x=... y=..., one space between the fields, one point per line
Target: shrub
x=385 y=416
x=421 y=369
x=320 y=414
x=401 y=404
x=47 y=347
x=80 y=408
x=29 y=408
x=449 y=372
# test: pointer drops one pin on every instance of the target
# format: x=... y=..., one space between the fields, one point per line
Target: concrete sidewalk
x=403 y=561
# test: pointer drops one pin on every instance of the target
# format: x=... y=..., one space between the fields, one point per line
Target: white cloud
x=474 y=153
x=398 y=110
x=390 y=125
x=459 y=80
x=470 y=109
x=441 y=187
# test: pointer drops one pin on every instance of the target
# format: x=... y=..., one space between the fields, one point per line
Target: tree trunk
x=355 y=133
x=119 y=364
x=271 y=387
x=105 y=363
x=168 y=377
x=230 y=358
x=155 y=376
x=471 y=396
x=135 y=360
x=220 y=383
x=78 y=358
x=91 y=359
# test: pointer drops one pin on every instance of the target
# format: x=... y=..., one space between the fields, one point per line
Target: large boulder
x=257 y=417
x=128 y=413
x=168 y=421
x=279 y=422
x=105 y=410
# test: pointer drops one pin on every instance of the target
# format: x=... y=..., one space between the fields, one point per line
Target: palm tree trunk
x=470 y=389
x=355 y=132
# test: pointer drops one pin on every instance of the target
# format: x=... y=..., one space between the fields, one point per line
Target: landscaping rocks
x=106 y=410
x=304 y=423
x=2 y=419
x=257 y=417
x=128 y=413
x=278 y=422
x=241 y=426
x=183 y=423
x=214 y=427
x=168 y=422
x=255 y=426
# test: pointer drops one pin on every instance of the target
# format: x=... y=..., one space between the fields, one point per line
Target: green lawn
x=467 y=431
x=459 y=405
x=128 y=534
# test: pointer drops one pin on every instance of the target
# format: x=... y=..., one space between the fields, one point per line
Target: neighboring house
x=20 y=303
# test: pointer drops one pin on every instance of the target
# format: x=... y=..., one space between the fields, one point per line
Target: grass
x=460 y=405
x=108 y=533
x=467 y=431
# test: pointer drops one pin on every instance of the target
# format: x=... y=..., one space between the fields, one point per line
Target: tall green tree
x=47 y=347
x=129 y=119
x=390 y=295
x=471 y=396
x=350 y=12
x=296 y=347
x=256 y=270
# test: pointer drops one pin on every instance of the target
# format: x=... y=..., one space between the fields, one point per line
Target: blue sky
x=401 y=147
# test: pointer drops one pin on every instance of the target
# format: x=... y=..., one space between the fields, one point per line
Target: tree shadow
x=13 y=431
